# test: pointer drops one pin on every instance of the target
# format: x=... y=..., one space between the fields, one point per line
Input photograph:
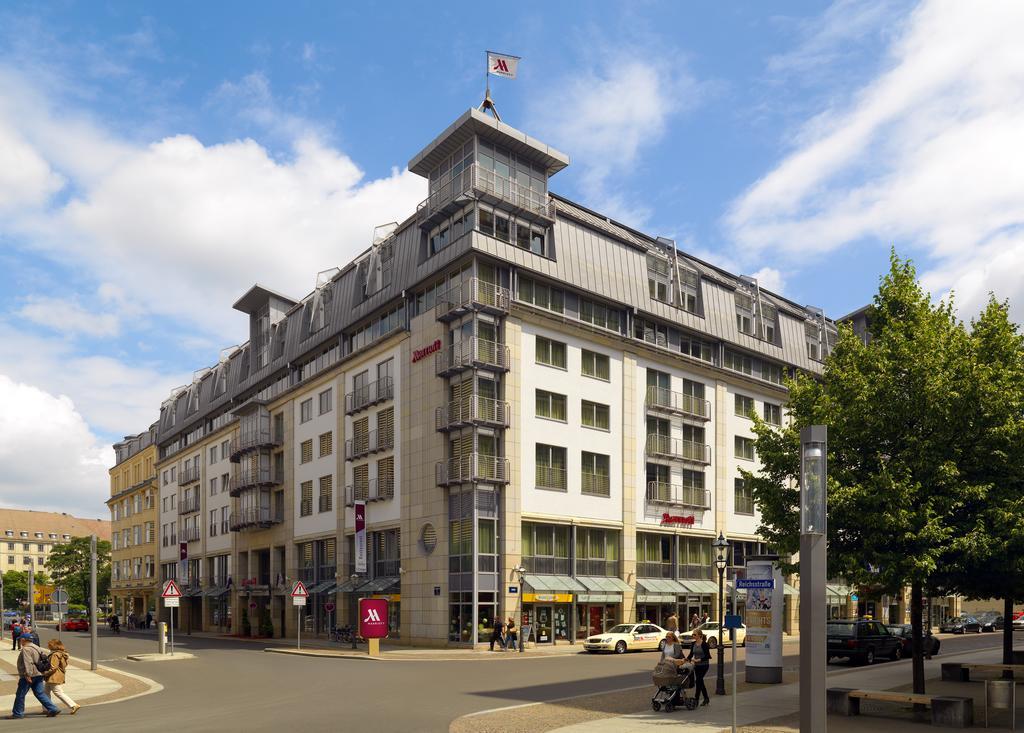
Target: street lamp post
x=721 y=546
x=354 y=626
x=813 y=503
x=519 y=571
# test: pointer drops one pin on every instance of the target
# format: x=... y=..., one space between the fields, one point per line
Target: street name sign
x=755 y=583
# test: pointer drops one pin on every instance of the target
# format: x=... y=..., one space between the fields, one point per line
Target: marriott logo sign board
x=373 y=618
x=426 y=351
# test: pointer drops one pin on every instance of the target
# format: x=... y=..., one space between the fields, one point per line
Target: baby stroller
x=675 y=687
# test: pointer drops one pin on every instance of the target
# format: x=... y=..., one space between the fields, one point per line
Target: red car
x=75 y=624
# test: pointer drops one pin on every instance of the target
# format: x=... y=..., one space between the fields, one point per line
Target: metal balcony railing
x=254 y=518
x=546 y=565
x=598 y=568
x=474 y=467
x=487 y=185
x=472 y=295
x=472 y=410
x=253 y=440
x=472 y=353
x=188 y=474
x=654 y=570
x=551 y=477
x=374 y=490
x=370 y=394
x=595 y=484
x=663 y=400
x=372 y=442
x=242 y=480
x=190 y=534
x=190 y=505
x=678 y=495
x=663 y=446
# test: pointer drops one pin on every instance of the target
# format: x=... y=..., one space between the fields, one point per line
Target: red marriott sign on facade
x=667 y=518
x=426 y=351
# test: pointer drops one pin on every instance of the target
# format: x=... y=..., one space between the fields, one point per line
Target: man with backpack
x=33 y=665
x=15 y=632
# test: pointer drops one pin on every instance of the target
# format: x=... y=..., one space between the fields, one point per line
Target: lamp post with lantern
x=721 y=546
x=813 y=644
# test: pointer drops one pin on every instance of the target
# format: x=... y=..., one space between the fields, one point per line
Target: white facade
x=316 y=432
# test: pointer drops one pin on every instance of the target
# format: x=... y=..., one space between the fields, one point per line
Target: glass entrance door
x=544 y=632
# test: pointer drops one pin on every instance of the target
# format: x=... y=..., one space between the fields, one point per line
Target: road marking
x=553 y=700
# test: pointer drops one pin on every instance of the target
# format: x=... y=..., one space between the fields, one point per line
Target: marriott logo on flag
x=502 y=65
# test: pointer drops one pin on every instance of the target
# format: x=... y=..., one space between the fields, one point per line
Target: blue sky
x=156 y=159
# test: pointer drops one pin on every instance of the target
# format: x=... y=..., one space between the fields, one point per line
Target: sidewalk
x=85 y=687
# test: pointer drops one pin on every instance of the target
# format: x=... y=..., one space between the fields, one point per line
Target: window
x=595 y=415
x=772 y=414
x=213 y=486
x=744 y=497
x=386 y=428
x=812 y=335
x=744 y=448
x=689 y=281
x=361 y=482
x=744 y=405
x=659 y=278
x=597 y=552
x=769 y=322
x=326 y=444
x=326 y=493
x=550 y=352
x=550 y=467
x=26 y=547
x=599 y=315
x=501 y=226
x=487 y=221
x=224 y=520
x=744 y=313
x=325 y=401
x=307 y=451
x=213 y=523
x=738 y=362
x=213 y=454
x=550 y=405
x=386 y=477
x=306 y=410
x=224 y=448
x=595 y=474
x=306 y=505
x=771 y=372
x=541 y=295
x=546 y=548
x=595 y=365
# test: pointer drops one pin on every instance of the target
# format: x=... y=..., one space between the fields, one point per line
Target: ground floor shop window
x=594 y=618
x=486 y=617
x=656 y=613
x=460 y=617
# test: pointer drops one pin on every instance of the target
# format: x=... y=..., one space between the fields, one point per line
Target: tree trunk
x=916 y=623
x=1008 y=635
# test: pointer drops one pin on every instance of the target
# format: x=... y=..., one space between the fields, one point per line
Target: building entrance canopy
x=553 y=584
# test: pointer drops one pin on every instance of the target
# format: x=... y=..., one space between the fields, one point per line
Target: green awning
x=839 y=591
x=664 y=586
x=654 y=598
x=553 y=584
x=326 y=586
x=599 y=598
x=379 y=585
x=601 y=584
x=701 y=586
x=350 y=585
x=216 y=592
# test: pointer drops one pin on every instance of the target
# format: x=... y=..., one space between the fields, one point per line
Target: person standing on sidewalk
x=15 y=633
x=498 y=634
x=149 y=619
x=57 y=675
x=30 y=678
x=672 y=624
x=700 y=655
x=510 y=634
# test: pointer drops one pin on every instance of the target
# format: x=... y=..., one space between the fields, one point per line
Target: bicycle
x=344 y=635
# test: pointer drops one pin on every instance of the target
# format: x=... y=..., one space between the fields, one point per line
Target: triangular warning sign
x=171 y=590
x=299 y=590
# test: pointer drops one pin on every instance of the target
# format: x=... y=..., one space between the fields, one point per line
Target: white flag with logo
x=502 y=65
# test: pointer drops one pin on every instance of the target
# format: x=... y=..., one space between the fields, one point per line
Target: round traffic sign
x=252 y=606
x=328 y=607
x=59 y=596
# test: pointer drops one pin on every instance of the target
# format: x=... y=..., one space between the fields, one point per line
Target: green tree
x=896 y=413
x=69 y=563
x=16 y=587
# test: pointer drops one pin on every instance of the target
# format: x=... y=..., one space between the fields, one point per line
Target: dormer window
x=769 y=322
x=744 y=313
x=689 y=282
x=659 y=278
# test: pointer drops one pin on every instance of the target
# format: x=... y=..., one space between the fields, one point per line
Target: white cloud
x=51 y=459
x=770 y=279
x=68 y=316
x=608 y=115
x=928 y=156
x=26 y=179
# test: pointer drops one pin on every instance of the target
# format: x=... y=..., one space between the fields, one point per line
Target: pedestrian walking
x=15 y=633
x=700 y=655
x=510 y=634
x=149 y=619
x=498 y=635
x=57 y=675
x=30 y=677
x=694 y=621
x=672 y=623
x=115 y=624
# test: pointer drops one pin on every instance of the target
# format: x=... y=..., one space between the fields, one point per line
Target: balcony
x=654 y=570
x=254 y=518
x=677 y=403
x=373 y=442
x=597 y=568
x=190 y=534
x=473 y=295
x=663 y=446
x=473 y=468
x=472 y=410
x=190 y=505
x=678 y=495
x=546 y=565
x=370 y=394
x=242 y=480
x=551 y=478
x=477 y=182
x=188 y=475
x=373 y=490
x=472 y=353
x=253 y=440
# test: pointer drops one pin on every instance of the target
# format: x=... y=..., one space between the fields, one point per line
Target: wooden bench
x=949 y=712
x=956 y=672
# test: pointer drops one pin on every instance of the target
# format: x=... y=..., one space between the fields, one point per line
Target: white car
x=712 y=633
x=1018 y=623
x=625 y=637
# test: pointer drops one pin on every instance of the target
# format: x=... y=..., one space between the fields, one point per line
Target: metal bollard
x=161 y=637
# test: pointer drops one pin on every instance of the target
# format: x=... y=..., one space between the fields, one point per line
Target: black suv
x=861 y=641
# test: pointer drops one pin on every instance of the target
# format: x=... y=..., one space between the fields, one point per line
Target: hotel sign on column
x=360 y=511
x=426 y=351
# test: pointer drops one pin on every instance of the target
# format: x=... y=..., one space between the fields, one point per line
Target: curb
x=152 y=685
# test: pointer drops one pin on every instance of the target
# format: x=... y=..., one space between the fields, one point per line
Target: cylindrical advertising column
x=763 y=618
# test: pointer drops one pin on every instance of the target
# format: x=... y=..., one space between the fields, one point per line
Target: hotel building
x=544 y=411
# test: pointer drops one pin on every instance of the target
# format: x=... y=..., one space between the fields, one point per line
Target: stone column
x=629 y=483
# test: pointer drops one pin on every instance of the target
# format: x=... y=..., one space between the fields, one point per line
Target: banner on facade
x=763 y=619
x=360 y=511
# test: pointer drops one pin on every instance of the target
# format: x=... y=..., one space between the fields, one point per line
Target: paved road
x=234 y=685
